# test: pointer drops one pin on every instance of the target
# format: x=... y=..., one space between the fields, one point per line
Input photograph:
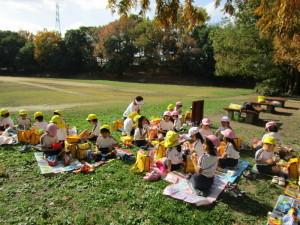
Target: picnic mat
x=182 y=189
x=59 y=168
x=232 y=175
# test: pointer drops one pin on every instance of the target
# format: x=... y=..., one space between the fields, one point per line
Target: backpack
x=248 y=106
x=292 y=167
x=82 y=151
x=161 y=150
x=189 y=167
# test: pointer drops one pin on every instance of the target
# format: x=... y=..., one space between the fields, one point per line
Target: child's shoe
x=281 y=181
x=275 y=180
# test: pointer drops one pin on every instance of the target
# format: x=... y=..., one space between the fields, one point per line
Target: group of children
x=201 y=145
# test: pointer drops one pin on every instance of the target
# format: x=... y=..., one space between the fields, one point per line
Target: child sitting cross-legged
x=93 y=121
x=205 y=127
x=23 y=122
x=266 y=161
x=231 y=156
x=129 y=124
x=49 y=140
x=177 y=122
x=205 y=166
x=225 y=124
x=174 y=159
x=166 y=124
x=141 y=131
x=5 y=120
x=196 y=140
x=105 y=144
x=39 y=124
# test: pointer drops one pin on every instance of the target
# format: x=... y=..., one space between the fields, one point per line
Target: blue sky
x=35 y=15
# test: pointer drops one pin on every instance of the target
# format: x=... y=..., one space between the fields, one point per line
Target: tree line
x=234 y=47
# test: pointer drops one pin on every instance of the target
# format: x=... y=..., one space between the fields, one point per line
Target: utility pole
x=57 y=19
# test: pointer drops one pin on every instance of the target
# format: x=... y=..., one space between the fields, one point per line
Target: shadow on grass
x=282 y=113
x=292 y=108
x=246 y=205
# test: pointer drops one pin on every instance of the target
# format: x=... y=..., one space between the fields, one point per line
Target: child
x=174 y=159
x=231 y=156
x=141 y=132
x=134 y=106
x=93 y=121
x=129 y=124
x=39 y=121
x=205 y=127
x=178 y=107
x=225 y=124
x=23 y=122
x=49 y=138
x=177 y=122
x=197 y=141
x=5 y=120
x=105 y=143
x=266 y=161
x=166 y=124
x=61 y=127
x=205 y=166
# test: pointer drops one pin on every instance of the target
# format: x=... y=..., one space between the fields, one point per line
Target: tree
x=49 y=50
x=25 y=58
x=79 y=50
x=10 y=44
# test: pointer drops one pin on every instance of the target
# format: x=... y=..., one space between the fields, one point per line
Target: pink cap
x=228 y=133
x=179 y=103
x=206 y=121
x=271 y=124
x=214 y=140
x=52 y=129
x=167 y=113
x=174 y=113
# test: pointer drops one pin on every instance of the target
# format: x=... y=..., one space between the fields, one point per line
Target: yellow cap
x=58 y=112
x=55 y=119
x=171 y=139
x=3 y=111
x=105 y=126
x=170 y=107
x=23 y=112
x=132 y=115
x=136 y=118
x=91 y=117
x=269 y=140
x=37 y=114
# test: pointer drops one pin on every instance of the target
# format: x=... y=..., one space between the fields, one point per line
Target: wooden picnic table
x=277 y=99
x=251 y=115
x=270 y=106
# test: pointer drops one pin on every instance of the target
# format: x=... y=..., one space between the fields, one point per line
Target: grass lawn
x=114 y=194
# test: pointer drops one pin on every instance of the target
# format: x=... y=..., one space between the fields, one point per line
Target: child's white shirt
x=61 y=134
x=262 y=155
x=208 y=164
x=139 y=134
x=96 y=129
x=128 y=124
x=47 y=140
x=6 y=122
x=166 y=125
x=24 y=123
x=108 y=142
x=231 y=152
x=197 y=145
x=205 y=132
x=131 y=108
x=174 y=156
x=177 y=124
x=40 y=125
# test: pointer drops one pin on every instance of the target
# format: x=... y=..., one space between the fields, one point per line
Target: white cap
x=193 y=131
x=225 y=119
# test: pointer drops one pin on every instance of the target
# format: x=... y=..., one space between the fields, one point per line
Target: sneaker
x=281 y=181
x=275 y=180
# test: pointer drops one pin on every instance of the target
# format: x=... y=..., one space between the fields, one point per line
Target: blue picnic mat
x=232 y=175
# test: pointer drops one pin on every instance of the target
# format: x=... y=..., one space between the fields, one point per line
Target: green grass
x=114 y=194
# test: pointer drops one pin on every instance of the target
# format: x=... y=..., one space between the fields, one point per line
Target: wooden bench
x=277 y=99
x=270 y=107
x=251 y=115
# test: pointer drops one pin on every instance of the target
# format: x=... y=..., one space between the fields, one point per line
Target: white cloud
x=89 y=4
x=14 y=25
x=214 y=13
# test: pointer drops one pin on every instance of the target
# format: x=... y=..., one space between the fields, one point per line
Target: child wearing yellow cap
x=23 y=121
x=39 y=124
x=174 y=159
x=93 y=121
x=266 y=161
x=105 y=143
x=5 y=120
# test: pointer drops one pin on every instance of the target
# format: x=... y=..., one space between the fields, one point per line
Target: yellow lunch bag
x=35 y=137
x=293 y=166
x=189 y=167
x=82 y=150
x=24 y=136
x=143 y=162
x=73 y=148
x=161 y=150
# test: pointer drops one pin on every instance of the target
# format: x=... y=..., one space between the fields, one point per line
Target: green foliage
x=25 y=58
